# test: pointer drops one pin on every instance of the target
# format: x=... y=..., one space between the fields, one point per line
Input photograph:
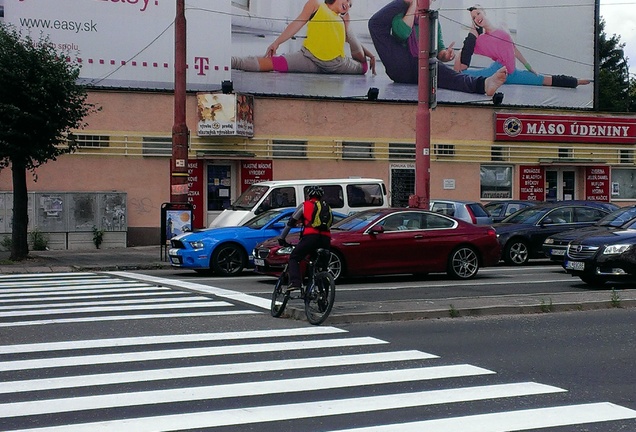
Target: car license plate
x=558 y=252
x=259 y=262
x=575 y=265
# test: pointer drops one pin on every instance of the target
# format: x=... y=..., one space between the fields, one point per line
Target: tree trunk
x=20 y=218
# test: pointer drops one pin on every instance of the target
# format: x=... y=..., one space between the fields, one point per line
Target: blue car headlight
x=197 y=244
x=616 y=249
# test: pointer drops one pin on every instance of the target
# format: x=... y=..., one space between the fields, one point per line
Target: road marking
x=209 y=371
x=186 y=353
x=167 y=339
x=219 y=292
x=513 y=421
x=148 y=300
x=125 y=318
x=46 y=297
x=243 y=389
x=260 y=414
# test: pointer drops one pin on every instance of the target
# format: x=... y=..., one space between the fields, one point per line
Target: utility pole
x=179 y=162
x=426 y=95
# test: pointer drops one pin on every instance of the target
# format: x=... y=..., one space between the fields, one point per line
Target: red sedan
x=396 y=241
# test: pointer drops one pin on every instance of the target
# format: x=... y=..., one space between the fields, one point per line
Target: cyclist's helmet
x=315 y=191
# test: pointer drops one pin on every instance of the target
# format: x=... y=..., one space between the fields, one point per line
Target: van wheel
x=228 y=260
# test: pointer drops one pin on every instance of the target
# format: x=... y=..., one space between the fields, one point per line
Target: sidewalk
x=150 y=257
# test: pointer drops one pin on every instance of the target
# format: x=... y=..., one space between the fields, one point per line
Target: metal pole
x=179 y=162
x=423 y=117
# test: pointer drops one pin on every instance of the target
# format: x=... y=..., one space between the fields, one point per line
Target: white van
x=343 y=195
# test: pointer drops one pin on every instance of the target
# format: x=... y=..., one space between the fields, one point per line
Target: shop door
x=219 y=181
x=560 y=184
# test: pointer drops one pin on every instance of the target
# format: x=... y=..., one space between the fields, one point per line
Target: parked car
x=397 y=241
x=554 y=247
x=469 y=211
x=499 y=210
x=522 y=234
x=226 y=251
x=601 y=257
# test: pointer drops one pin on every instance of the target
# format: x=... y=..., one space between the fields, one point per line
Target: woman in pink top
x=490 y=40
x=323 y=50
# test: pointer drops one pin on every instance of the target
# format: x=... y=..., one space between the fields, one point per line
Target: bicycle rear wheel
x=280 y=296
x=320 y=297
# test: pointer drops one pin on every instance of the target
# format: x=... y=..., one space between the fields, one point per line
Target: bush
x=39 y=240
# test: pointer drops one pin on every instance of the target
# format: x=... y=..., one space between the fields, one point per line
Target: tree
x=614 y=88
x=41 y=102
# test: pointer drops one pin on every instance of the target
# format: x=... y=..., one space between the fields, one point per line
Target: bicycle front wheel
x=280 y=296
x=320 y=297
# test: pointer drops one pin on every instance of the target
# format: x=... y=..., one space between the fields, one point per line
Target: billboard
x=130 y=43
x=225 y=114
x=554 y=65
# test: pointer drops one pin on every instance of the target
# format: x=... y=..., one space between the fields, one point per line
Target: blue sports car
x=226 y=251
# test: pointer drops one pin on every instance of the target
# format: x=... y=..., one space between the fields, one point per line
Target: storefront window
x=496 y=181
x=623 y=183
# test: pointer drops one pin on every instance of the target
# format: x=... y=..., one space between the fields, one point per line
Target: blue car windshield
x=356 y=221
x=263 y=219
x=528 y=215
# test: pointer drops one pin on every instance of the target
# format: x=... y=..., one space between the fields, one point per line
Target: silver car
x=469 y=211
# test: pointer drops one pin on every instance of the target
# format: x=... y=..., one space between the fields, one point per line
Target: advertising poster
x=225 y=114
x=546 y=49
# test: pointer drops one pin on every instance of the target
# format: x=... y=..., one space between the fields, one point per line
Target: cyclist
x=311 y=239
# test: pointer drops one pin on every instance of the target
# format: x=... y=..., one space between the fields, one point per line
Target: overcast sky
x=620 y=19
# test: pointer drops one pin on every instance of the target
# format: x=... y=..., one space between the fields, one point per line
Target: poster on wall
x=546 y=63
x=225 y=114
x=597 y=183
x=531 y=183
x=255 y=171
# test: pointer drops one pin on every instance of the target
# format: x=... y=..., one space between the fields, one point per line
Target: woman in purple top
x=495 y=42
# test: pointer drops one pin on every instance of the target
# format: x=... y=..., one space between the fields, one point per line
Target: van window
x=333 y=195
x=365 y=195
x=278 y=198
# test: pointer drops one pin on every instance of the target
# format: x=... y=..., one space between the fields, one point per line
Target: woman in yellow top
x=324 y=48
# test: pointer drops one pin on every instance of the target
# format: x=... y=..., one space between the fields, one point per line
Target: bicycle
x=318 y=293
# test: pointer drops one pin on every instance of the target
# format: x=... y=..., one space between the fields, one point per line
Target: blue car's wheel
x=228 y=260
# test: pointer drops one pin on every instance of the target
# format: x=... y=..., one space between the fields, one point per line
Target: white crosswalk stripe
x=256 y=376
x=58 y=298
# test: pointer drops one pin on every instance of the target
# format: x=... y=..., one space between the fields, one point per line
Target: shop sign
x=531 y=183
x=597 y=183
x=195 y=192
x=255 y=171
x=562 y=128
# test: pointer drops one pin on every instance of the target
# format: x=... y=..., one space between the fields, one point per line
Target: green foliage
x=39 y=240
x=452 y=312
x=6 y=243
x=615 y=299
x=41 y=103
x=98 y=236
x=615 y=92
x=546 y=307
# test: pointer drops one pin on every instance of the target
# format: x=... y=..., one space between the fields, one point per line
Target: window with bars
x=92 y=141
x=156 y=146
x=357 y=150
x=401 y=151
x=499 y=154
x=565 y=153
x=289 y=149
x=444 y=150
x=626 y=156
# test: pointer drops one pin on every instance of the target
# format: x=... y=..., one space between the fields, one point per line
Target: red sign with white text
x=597 y=183
x=531 y=183
x=562 y=128
x=195 y=192
x=254 y=171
